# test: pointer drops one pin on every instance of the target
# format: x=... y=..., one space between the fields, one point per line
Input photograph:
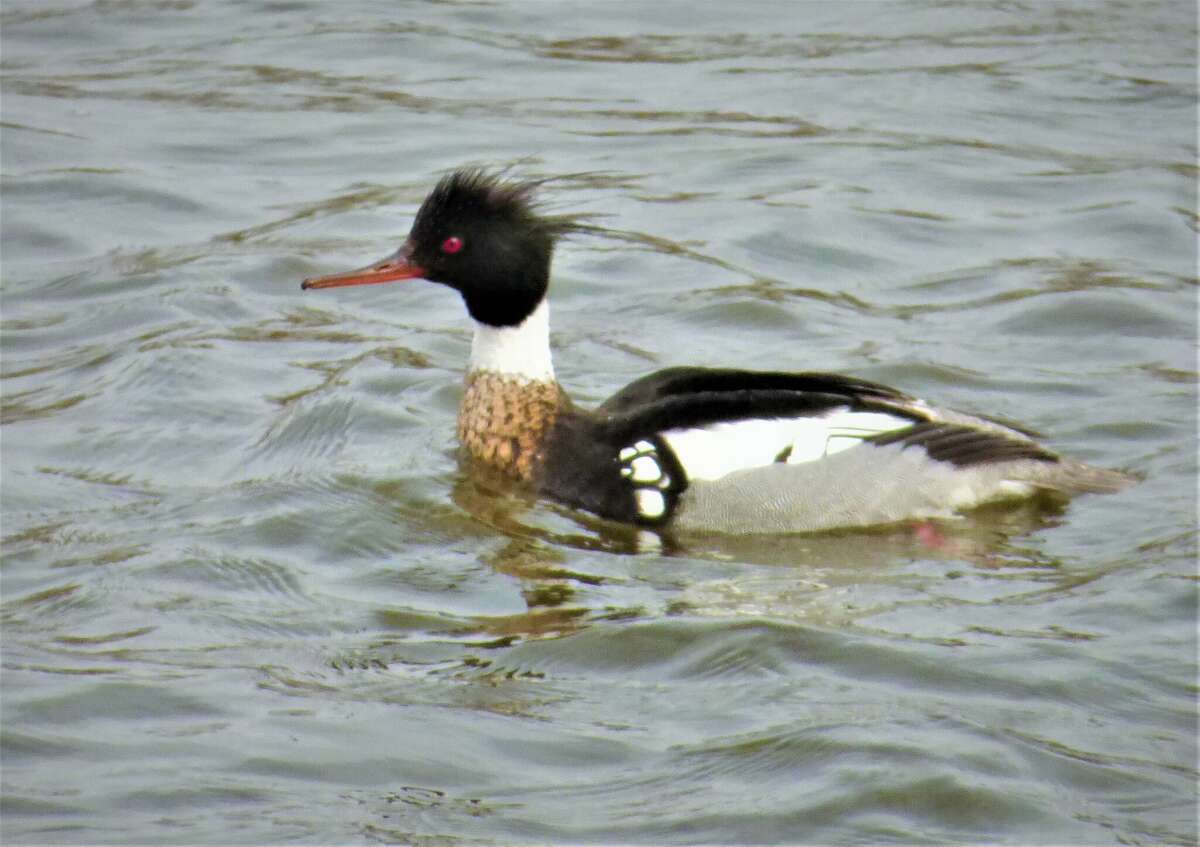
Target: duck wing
x=751 y=451
x=714 y=422
x=633 y=458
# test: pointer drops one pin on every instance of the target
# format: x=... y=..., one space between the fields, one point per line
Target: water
x=249 y=598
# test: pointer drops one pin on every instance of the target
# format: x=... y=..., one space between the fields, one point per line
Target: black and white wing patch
x=654 y=479
x=619 y=473
x=714 y=422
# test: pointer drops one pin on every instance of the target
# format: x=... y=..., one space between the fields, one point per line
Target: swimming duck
x=690 y=448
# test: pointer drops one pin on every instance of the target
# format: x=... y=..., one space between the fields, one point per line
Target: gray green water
x=249 y=598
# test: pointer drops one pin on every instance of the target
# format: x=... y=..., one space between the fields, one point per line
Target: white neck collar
x=521 y=351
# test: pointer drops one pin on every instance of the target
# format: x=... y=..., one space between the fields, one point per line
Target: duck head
x=480 y=235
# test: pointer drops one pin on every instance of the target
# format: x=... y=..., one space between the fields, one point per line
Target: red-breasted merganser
x=692 y=448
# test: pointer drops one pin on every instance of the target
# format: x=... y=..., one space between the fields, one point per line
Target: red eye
x=452 y=244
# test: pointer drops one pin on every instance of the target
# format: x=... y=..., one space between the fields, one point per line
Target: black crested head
x=482 y=236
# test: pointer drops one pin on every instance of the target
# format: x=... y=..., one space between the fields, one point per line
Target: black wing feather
x=685 y=381
x=686 y=398
x=963 y=446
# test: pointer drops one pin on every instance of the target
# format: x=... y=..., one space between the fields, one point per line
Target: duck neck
x=511 y=399
x=521 y=352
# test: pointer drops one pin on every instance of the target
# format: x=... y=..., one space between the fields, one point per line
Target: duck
x=689 y=448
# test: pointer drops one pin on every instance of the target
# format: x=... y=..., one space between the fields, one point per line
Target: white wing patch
x=650 y=503
x=711 y=452
x=819 y=437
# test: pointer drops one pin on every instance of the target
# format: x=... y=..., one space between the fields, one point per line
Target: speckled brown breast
x=503 y=420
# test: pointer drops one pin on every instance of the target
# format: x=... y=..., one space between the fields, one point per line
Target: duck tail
x=1072 y=477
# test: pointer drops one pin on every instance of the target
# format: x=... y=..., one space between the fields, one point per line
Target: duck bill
x=394 y=267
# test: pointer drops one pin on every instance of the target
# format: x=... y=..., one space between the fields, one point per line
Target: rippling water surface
x=249 y=598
